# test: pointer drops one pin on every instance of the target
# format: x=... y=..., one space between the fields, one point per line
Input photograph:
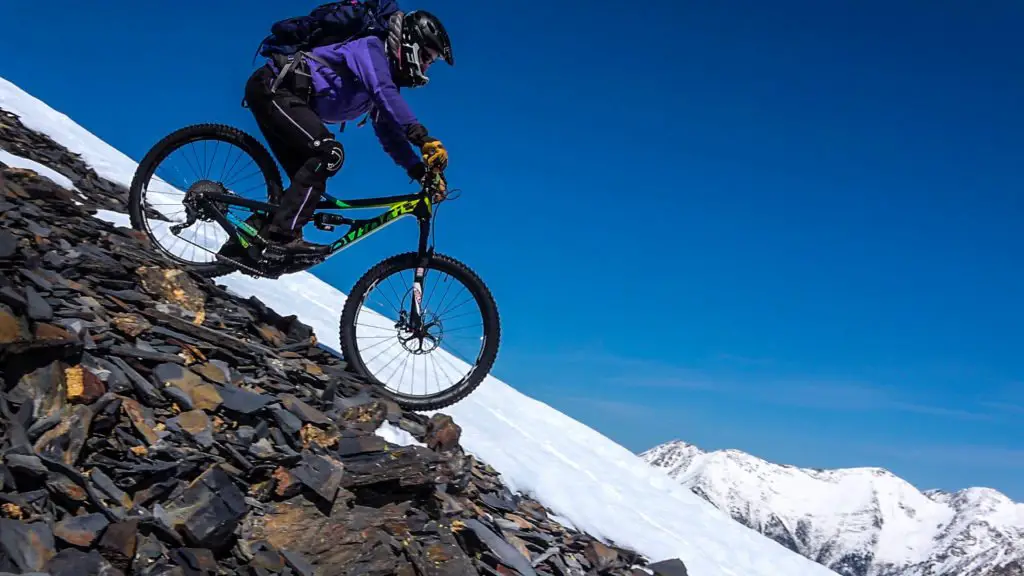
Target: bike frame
x=418 y=205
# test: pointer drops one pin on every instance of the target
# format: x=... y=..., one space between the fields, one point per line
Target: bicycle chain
x=302 y=259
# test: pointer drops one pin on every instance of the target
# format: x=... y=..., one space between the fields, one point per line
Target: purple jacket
x=360 y=78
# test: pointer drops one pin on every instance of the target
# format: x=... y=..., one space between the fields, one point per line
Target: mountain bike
x=396 y=307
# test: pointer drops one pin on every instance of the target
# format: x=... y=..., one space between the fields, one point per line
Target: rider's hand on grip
x=434 y=154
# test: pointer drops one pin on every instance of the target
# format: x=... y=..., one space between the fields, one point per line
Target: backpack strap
x=282 y=74
x=315 y=58
x=296 y=65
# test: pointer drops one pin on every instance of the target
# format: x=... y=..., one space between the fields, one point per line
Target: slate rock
x=141 y=419
x=304 y=411
x=74 y=562
x=197 y=425
x=243 y=401
x=498 y=501
x=83 y=385
x=417 y=430
x=8 y=244
x=131 y=324
x=324 y=437
x=265 y=557
x=144 y=389
x=140 y=352
x=298 y=563
x=26 y=464
x=92 y=261
x=489 y=540
x=209 y=509
x=442 y=434
x=367 y=416
x=174 y=286
x=195 y=561
x=216 y=371
x=66 y=441
x=81 y=530
x=29 y=545
x=288 y=422
x=332 y=543
x=411 y=467
x=38 y=308
x=119 y=542
x=361 y=445
x=601 y=557
x=126 y=295
x=148 y=552
x=672 y=567
x=105 y=484
x=36 y=277
x=38 y=230
x=13 y=328
x=44 y=389
x=320 y=474
x=179 y=396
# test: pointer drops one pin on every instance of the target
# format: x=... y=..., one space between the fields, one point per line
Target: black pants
x=295 y=135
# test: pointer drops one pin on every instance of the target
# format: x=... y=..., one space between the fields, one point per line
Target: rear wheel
x=433 y=365
x=203 y=156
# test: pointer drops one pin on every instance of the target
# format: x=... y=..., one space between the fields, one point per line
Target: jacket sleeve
x=391 y=116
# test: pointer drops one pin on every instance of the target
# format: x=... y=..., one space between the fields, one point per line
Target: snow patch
x=18 y=162
x=396 y=435
x=107 y=161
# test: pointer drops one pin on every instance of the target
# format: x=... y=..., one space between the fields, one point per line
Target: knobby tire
x=481 y=295
x=169 y=144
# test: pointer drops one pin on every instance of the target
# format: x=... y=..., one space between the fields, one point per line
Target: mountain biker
x=336 y=83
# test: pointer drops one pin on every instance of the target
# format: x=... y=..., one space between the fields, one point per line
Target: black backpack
x=329 y=23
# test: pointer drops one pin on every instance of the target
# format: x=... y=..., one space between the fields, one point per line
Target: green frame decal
x=363 y=228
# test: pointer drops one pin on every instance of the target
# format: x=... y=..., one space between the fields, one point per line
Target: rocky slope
x=153 y=423
x=857 y=521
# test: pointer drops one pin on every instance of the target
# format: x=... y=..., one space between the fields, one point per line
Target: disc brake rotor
x=422 y=340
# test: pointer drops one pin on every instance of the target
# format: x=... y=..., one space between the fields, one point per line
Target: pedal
x=326 y=222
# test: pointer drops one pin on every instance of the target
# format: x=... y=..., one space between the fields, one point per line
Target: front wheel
x=426 y=364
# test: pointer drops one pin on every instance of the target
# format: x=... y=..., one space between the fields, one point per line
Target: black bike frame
x=419 y=205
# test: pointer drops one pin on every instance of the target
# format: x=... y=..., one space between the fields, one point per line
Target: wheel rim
x=435 y=359
x=202 y=162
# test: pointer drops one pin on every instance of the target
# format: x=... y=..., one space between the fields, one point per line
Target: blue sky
x=788 y=228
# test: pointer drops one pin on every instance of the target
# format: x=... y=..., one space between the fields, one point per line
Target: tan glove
x=434 y=154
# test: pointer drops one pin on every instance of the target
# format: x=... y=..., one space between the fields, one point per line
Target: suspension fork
x=424 y=253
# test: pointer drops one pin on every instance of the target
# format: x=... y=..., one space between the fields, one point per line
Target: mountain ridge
x=863 y=521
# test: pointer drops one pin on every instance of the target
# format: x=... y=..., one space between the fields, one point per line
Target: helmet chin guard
x=415 y=40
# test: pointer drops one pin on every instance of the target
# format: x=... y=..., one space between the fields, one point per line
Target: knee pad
x=331 y=153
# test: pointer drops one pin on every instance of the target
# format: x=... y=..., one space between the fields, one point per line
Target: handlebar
x=435 y=184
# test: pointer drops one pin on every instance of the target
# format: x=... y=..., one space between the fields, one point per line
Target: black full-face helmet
x=417 y=39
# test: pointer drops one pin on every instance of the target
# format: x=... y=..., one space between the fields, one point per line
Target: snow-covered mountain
x=589 y=481
x=856 y=521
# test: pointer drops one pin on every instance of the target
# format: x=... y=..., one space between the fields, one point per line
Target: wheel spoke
x=423 y=365
x=171 y=193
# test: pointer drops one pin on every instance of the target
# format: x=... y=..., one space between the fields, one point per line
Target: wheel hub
x=197 y=192
x=423 y=339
